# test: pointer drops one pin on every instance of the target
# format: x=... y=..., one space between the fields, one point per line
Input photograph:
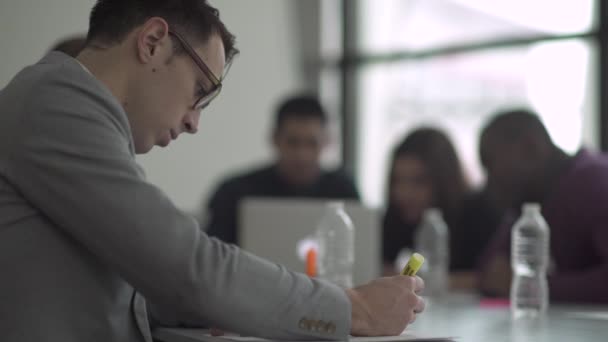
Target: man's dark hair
x=112 y=20
x=300 y=107
x=512 y=126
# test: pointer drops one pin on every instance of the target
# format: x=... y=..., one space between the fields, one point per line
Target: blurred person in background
x=425 y=172
x=299 y=138
x=526 y=166
x=71 y=46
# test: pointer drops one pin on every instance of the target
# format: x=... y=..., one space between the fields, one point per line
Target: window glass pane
x=390 y=25
x=331 y=29
x=329 y=86
x=330 y=95
x=459 y=92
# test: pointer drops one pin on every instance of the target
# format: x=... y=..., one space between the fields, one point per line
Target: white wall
x=28 y=28
x=234 y=129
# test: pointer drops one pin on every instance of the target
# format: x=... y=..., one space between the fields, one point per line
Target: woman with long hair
x=425 y=172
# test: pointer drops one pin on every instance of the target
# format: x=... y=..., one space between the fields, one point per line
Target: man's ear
x=151 y=38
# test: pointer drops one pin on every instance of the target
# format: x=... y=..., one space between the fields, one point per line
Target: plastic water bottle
x=529 y=260
x=336 y=238
x=432 y=241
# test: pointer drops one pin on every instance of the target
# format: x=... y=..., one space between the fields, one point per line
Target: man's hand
x=385 y=306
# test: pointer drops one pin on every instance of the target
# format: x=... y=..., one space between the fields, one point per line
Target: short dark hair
x=511 y=126
x=112 y=20
x=300 y=107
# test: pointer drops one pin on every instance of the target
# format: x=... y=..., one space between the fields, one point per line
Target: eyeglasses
x=206 y=96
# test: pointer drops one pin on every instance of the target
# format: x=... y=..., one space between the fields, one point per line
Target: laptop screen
x=273 y=228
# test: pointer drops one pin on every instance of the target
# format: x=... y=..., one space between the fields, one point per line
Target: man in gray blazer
x=88 y=247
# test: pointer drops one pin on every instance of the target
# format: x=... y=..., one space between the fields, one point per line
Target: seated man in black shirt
x=300 y=136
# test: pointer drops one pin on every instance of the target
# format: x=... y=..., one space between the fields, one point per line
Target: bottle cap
x=531 y=208
x=433 y=212
x=311 y=262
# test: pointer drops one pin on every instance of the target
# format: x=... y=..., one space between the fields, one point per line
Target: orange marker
x=311 y=262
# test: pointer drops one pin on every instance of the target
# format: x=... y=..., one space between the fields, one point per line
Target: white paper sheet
x=202 y=335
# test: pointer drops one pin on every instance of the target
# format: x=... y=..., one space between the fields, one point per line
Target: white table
x=462 y=316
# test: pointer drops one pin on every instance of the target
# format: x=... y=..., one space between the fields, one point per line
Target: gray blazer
x=82 y=233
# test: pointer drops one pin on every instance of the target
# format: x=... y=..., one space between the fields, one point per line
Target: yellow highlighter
x=413 y=265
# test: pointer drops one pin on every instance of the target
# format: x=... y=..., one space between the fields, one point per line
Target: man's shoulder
x=68 y=74
x=337 y=175
x=31 y=80
x=52 y=68
x=58 y=98
x=589 y=169
x=585 y=185
x=59 y=81
x=338 y=183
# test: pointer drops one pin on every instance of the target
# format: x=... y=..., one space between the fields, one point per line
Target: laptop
x=275 y=228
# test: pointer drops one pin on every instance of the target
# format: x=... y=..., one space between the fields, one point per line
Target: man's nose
x=191 y=121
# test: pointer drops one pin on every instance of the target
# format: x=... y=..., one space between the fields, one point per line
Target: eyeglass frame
x=208 y=96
